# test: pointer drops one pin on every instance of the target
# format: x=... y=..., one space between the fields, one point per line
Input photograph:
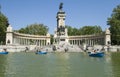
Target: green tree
x=114 y=23
x=36 y=29
x=86 y=30
x=70 y=30
x=3 y=27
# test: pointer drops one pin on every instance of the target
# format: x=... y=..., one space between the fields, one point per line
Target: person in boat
x=46 y=50
x=97 y=50
x=38 y=50
x=93 y=51
x=4 y=50
x=103 y=49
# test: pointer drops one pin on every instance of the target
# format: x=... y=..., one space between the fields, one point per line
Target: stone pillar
x=43 y=42
x=73 y=42
x=90 y=42
x=9 y=35
x=107 y=37
x=18 y=40
x=39 y=42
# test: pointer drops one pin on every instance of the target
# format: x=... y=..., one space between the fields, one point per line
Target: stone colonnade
x=25 y=39
x=15 y=38
x=87 y=39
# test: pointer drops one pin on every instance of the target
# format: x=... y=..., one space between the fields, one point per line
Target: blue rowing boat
x=4 y=52
x=41 y=52
x=96 y=54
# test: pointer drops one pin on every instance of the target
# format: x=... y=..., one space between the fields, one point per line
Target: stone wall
x=16 y=48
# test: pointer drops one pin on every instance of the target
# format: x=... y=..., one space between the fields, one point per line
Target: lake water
x=59 y=65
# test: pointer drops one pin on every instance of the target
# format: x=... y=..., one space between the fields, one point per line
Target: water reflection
x=3 y=64
x=59 y=65
x=116 y=63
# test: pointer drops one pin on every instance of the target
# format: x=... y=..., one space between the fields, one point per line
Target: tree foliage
x=3 y=26
x=114 y=22
x=72 y=31
x=86 y=30
x=35 y=29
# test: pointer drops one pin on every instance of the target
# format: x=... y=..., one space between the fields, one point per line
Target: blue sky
x=79 y=13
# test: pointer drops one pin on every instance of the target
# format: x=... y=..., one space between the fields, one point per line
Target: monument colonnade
x=87 y=39
x=26 y=39
x=15 y=38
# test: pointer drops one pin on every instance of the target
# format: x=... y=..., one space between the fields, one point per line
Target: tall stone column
x=48 y=39
x=107 y=37
x=9 y=35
